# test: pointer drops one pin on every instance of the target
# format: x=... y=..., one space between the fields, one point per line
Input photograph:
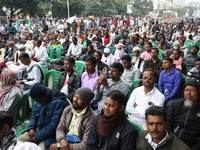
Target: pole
x=68 y=8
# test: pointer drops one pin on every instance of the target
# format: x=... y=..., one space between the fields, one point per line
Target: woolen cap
x=86 y=94
x=194 y=82
x=38 y=92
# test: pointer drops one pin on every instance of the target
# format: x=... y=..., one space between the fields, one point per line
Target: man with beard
x=111 y=129
x=184 y=115
x=157 y=136
x=104 y=85
x=143 y=97
x=137 y=60
x=147 y=54
x=76 y=120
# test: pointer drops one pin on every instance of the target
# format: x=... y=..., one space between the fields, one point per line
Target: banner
x=129 y=9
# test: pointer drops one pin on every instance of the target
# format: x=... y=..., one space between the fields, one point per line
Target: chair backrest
x=45 y=71
x=136 y=125
x=51 y=52
x=52 y=78
x=160 y=54
x=80 y=66
x=154 y=46
x=197 y=44
x=112 y=49
x=23 y=109
x=133 y=85
x=59 y=49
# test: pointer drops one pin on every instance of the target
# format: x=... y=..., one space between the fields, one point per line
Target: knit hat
x=194 y=82
x=38 y=92
x=86 y=94
x=106 y=50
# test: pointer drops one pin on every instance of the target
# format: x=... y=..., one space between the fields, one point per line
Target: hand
x=53 y=147
x=21 y=82
x=34 y=140
x=64 y=145
x=17 y=64
x=31 y=133
x=98 y=82
x=103 y=80
x=135 y=105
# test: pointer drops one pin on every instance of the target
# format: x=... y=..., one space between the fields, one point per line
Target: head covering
x=194 y=82
x=10 y=81
x=153 y=37
x=38 y=92
x=21 y=46
x=176 y=46
x=106 y=50
x=136 y=48
x=119 y=45
x=86 y=94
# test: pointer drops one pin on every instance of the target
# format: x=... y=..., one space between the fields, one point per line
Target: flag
x=28 y=21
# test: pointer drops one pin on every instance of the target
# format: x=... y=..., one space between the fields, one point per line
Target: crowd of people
x=92 y=110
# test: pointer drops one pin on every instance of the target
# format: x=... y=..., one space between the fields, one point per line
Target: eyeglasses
x=149 y=78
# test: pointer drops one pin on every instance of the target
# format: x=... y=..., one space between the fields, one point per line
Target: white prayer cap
x=21 y=46
x=119 y=45
x=136 y=48
x=106 y=50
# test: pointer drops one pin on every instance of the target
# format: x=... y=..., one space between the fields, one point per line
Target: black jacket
x=124 y=137
x=185 y=123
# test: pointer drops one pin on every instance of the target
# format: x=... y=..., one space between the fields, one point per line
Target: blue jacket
x=46 y=117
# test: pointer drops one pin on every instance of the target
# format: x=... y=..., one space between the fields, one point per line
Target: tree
x=142 y=8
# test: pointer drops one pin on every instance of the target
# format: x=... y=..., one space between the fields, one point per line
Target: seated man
x=9 y=59
x=183 y=115
x=7 y=132
x=46 y=116
x=104 y=85
x=34 y=73
x=137 y=60
x=11 y=92
x=131 y=73
x=157 y=136
x=70 y=80
x=111 y=129
x=101 y=66
x=75 y=48
x=143 y=97
x=154 y=63
x=41 y=53
x=89 y=78
x=190 y=59
x=107 y=57
x=90 y=52
x=76 y=120
x=170 y=79
x=147 y=54
x=195 y=71
x=178 y=61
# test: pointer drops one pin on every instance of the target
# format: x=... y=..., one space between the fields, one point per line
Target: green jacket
x=172 y=143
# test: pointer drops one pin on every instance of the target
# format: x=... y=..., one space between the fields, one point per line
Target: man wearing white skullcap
x=107 y=57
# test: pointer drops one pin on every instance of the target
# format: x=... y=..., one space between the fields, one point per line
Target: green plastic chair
x=58 y=49
x=21 y=128
x=23 y=109
x=136 y=125
x=51 y=52
x=185 y=78
x=197 y=44
x=160 y=54
x=52 y=78
x=45 y=71
x=80 y=67
x=154 y=46
x=133 y=84
x=112 y=49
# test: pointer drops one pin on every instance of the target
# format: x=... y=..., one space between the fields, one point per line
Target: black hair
x=178 y=50
x=149 y=43
x=156 y=111
x=118 y=66
x=155 y=49
x=39 y=42
x=117 y=96
x=150 y=69
x=74 y=38
x=92 y=59
x=70 y=59
x=99 y=53
x=169 y=59
x=24 y=55
x=197 y=47
x=197 y=59
x=5 y=118
x=126 y=57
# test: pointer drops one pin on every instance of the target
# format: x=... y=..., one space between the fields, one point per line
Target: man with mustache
x=157 y=136
x=75 y=120
x=184 y=115
x=143 y=97
x=111 y=130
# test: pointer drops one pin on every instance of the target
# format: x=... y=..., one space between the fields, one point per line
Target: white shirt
x=41 y=54
x=138 y=97
x=34 y=74
x=108 y=60
x=60 y=27
x=75 y=49
x=152 y=143
x=65 y=86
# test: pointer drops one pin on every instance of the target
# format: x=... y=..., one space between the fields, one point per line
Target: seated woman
x=10 y=92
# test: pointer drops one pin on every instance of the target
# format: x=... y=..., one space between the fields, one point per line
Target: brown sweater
x=83 y=129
